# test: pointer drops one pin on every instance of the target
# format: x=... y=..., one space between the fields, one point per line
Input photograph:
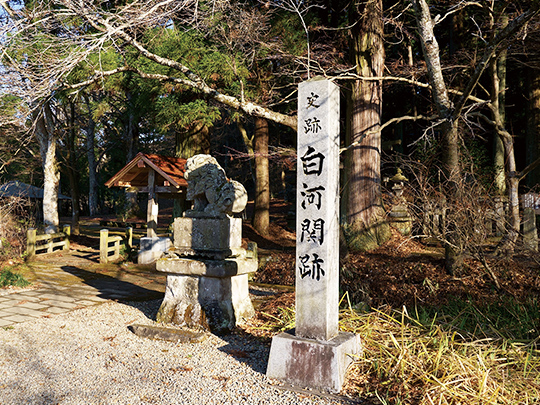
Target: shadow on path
x=125 y=286
x=248 y=350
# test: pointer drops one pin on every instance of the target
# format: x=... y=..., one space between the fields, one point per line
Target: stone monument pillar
x=316 y=354
x=207 y=268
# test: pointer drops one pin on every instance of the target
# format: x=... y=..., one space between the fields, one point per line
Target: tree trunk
x=72 y=171
x=364 y=210
x=92 y=164
x=261 y=218
x=44 y=132
x=497 y=70
x=193 y=141
x=132 y=140
x=498 y=163
x=508 y=243
x=449 y=136
x=248 y=142
x=454 y=243
x=533 y=125
x=132 y=128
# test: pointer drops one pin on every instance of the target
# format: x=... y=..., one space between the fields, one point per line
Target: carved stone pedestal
x=311 y=363
x=400 y=218
x=207 y=275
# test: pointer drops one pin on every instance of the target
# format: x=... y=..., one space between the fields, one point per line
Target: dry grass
x=414 y=359
x=407 y=362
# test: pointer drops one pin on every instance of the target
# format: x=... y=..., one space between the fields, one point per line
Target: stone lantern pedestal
x=207 y=275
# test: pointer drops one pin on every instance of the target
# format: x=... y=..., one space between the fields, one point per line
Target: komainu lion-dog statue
x=212 y=193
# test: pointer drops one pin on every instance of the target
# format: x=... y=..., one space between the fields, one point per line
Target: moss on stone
x=363 y=239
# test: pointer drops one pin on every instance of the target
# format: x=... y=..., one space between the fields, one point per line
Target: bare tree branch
x=458 y=7
x=352 y=76
x=522 y=174
x=513 y=27
x=386 y=124
x=503 y=133
x=49 y=72
x=13 y=14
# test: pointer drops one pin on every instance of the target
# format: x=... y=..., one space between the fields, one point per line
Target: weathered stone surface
x=152 y=249
x=212 y=193
x=209 y=268
x=311 y=363
x=167 y=333
x=207 y=283
x=207 y=234
x=206 y=303
x=317 y=207
x=316 y=356
x=400 y=219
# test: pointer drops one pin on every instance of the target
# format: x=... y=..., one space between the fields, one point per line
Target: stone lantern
x=399 y=216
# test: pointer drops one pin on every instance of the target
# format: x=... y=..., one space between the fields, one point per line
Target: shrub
x=8 y=278
x=14 y=222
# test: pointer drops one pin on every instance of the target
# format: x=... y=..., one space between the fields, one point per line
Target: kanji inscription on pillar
x=316 y=354
x=317 y=206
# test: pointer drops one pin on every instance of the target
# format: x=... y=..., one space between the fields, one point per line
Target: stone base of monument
x=400 y=219
x=152 y=249
x=206 y=294
x=207 y=275
x=311 y=363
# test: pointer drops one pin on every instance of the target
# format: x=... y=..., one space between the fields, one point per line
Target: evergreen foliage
x=8 y=278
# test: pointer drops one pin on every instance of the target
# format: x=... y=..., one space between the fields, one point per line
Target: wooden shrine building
x=159 y=176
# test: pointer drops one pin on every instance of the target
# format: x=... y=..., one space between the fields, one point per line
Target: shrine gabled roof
x=169 y=172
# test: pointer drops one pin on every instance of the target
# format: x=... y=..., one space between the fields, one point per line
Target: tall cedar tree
x=364 y=210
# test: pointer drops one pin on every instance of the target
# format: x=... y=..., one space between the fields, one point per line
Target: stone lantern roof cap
x=398 y=177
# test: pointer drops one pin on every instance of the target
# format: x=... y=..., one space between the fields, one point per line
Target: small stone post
x=103 y=245
x=66 y=229
x=129 y=237
x=317 y=354
x=31 y=243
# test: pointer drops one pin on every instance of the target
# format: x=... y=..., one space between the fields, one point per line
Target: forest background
x=448 y=91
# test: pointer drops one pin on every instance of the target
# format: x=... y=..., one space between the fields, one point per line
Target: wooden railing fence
x=491 y=217
x=109 y=246
x=46 y=243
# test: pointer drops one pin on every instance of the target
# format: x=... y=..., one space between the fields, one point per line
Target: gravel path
x=88 y=356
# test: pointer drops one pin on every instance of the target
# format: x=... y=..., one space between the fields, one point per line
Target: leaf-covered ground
x=428 y=337
x=402 y=272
